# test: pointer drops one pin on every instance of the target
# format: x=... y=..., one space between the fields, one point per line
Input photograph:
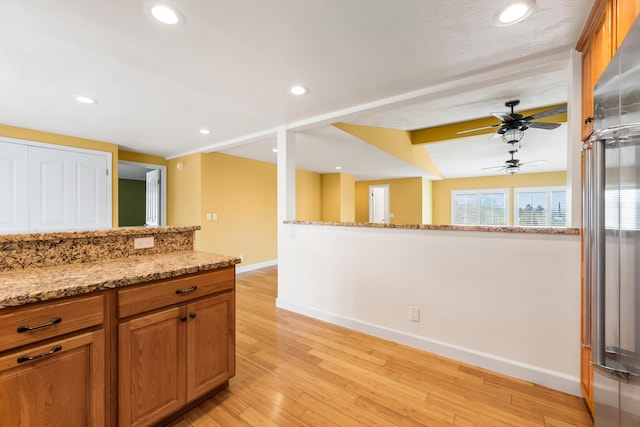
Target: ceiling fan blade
x=548 y=113
x=495 y=167
x=476 y=129
x=543 y=125
x=505 y=117
x=530 y=163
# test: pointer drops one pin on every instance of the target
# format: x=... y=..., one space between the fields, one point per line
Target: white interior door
x=379 y=204
x=68 y=190
x=153 y=198
x=14 y=188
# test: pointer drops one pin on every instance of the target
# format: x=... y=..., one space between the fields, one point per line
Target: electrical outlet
x=414 y=313
x=241 y=258
x=208 y=216
x=143 y=242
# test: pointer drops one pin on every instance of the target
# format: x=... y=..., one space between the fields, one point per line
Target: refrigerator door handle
x=598 y=329
x=587 y=230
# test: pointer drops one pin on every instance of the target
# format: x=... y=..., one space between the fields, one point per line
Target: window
x=541 y=207
x=479 y=207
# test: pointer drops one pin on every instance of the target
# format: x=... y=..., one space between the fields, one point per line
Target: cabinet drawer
x=31 y=324
x=173 y=291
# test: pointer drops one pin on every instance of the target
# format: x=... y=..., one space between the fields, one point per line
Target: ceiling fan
x=513 y=124
x=513 y=165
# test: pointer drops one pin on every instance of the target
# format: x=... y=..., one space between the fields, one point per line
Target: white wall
x=508 y=302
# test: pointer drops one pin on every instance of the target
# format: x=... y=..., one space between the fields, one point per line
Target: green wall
x=131 y=202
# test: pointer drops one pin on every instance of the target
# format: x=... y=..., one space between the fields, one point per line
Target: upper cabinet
x=604 y=31
x=626 y=12
x=52 y=188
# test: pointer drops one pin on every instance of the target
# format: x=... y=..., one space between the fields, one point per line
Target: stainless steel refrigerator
x=612 y=239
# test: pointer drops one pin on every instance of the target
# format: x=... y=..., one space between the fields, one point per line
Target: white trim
x=256 y=266
x=163 y=185
x=547 y=378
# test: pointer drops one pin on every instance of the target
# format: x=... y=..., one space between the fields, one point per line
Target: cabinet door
x=151 y=367
x=587 y=92
x=14 y=185
x=67 y=190
x=601 y=44
x=64 y=384
x=210 y=343
x=627 y=11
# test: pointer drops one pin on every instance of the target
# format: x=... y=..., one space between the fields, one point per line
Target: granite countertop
x=19 y=287
x=122 y=231
x=494 y=229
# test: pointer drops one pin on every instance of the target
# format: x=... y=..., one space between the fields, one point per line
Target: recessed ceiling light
x=164 y=13
x=338 y=167
x=298 y=90
x=275 y=150
x=205 y=131
x=515 y=12
x=85 y=99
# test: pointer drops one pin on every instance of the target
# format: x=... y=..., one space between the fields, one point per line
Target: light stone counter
x=485 y=228
x=23 y=286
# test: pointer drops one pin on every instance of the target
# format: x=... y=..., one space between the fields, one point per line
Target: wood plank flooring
x=292 y=370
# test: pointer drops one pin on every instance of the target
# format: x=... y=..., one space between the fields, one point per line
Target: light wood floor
x=295 y=371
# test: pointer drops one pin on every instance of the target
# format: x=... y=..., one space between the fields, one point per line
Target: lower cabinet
x=170 y=357
x=175 y=343
x=57 y=384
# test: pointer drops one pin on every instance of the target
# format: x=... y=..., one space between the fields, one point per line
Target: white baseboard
x=257 y=266
x=534 y=374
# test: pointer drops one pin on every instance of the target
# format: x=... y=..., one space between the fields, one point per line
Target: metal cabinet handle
x=192 y=315
x=55 y=349
x=53 y=321
x=186 y=291
x=183 y=318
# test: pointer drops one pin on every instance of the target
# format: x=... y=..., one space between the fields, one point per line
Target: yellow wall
x=347 y=198
x=308 y=196
x=442 y=189
x=142 y=158
x=405 y=200
x=243 y=193
x=427 y=201
x=70 y=141
x=338 y=197
x=184 y=191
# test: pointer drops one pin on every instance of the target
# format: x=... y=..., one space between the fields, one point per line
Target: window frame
x=478 y=193
x=549 y=193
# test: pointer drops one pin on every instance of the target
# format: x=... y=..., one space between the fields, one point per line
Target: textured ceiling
x=406 y=65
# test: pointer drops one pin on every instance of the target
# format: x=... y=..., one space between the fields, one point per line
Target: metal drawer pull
x=186 y=291
x=40 y=356
x=54 y=321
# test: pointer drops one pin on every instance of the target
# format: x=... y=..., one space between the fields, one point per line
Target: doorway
x=142 y=194
x=379 y=204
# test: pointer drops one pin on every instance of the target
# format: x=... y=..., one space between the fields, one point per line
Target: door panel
x=151 y=367
x=153 y=198
x=210 y=343
x=14 y=176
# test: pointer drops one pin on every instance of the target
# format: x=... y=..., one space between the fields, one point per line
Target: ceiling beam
x=450 y=131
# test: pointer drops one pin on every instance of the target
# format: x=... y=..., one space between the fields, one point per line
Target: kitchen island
x=112 y=327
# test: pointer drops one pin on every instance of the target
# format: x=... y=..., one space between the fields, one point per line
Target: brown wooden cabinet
x=625 y=14
x=179 y=346
x=604 y=31
x=52 y=369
